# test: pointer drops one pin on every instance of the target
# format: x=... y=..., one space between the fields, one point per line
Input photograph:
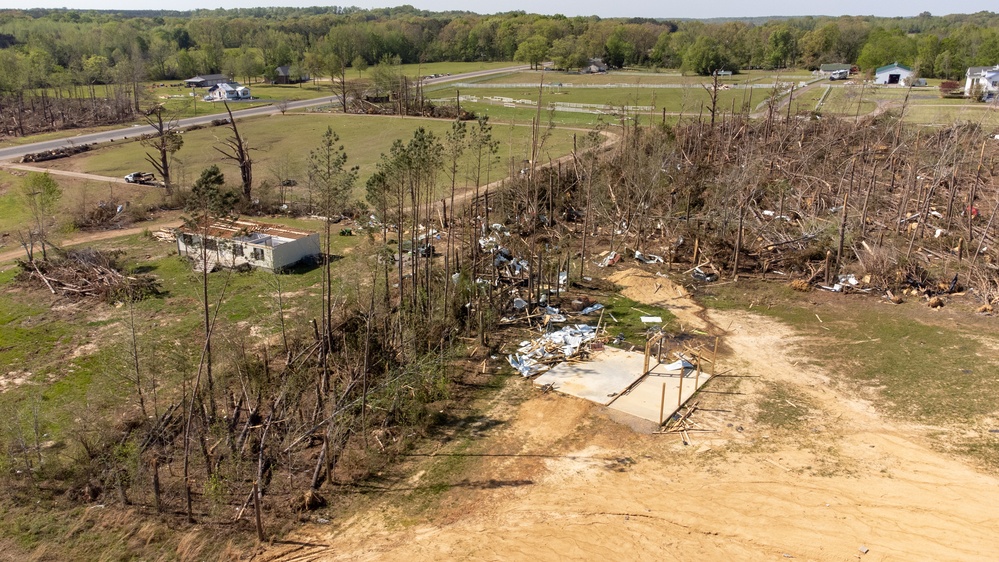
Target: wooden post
x=679 y=396
x=697 y=378
x=256 y=512
x=738 y=245
x=842 y=231
x=156 y=486
x=697 y=243
x=648 y=344
x=714 y=357
x=662 y=405
x=828 y=271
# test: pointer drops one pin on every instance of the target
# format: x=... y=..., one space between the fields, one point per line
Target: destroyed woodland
x=239 y=433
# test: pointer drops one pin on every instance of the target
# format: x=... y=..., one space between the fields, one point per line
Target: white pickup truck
x=144 y=178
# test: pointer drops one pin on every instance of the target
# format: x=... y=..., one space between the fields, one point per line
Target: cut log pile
x=88 y=273
x=61 y=152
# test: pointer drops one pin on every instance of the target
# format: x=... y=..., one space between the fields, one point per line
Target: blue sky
x=603 y=8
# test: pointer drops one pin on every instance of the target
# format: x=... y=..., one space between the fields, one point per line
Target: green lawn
x=427 y=69
x=671 y=76
x=78 y=197
x=844 y=100
x=689 y=99
x=950 y=113
x=283 y=142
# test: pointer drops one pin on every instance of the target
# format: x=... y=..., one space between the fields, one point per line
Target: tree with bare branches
x=164 y=143
x=236 y=149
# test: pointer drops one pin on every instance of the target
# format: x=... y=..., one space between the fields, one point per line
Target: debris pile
x=681 y=424
x=61 y=152
x=104 y=215
x=88 y=273
x=538 y=355
x=165 y=234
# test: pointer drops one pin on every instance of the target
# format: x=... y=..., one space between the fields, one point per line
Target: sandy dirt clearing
x=561 y=478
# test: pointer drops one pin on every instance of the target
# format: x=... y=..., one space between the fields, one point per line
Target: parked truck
x=839 y=75
x=144 y=178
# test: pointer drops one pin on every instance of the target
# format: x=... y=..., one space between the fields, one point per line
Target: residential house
x=893 y=74
x=232 y=243
x=206 y=81
x=982 y=81
x=282 y=75
x=227 y=92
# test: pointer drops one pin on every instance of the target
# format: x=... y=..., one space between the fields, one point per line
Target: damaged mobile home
x=234 y=243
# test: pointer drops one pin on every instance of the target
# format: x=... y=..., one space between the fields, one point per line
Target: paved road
x=133 y=131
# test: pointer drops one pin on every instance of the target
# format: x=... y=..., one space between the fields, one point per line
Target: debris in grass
x=611 y=259
x=648 y=258
x=705 y=276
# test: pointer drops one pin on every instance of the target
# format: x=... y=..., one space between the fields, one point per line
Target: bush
x=951 y=89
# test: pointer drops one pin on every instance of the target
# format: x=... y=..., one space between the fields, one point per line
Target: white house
x=982 y=80
x=232 y=243
x=227 y=92
x=893 y=73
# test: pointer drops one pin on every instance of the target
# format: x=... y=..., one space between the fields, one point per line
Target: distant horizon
x=726 y=9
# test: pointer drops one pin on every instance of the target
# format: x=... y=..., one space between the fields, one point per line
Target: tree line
x=52 y=48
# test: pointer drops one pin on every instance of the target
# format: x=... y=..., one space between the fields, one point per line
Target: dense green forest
x=52 y=48
x=79 y=57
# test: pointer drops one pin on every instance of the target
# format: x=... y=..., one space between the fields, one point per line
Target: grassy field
x=364 y=137
x=928 y=114
x=688 y=99
x=643 y=77
x=927 y=368
x=78 y=196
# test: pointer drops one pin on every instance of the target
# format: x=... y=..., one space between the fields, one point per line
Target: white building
x=227 y=92
x=893 y=73
x=982 y=80
x=232 y=243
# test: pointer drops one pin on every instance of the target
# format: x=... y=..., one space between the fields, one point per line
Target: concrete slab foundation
x=644 y=399
x=598 y=380
x=606 y=378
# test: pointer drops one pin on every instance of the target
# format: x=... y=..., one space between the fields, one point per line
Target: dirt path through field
x=68 y=173
x=560 y=479
x=169 y=219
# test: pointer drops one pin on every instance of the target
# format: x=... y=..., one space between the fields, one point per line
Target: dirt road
x=170 y=219
x=57 y=172
x=561 y=479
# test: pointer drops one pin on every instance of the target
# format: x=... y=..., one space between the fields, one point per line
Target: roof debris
x=538 y=355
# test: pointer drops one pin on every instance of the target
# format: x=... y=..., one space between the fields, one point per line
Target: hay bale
x=801 y=285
